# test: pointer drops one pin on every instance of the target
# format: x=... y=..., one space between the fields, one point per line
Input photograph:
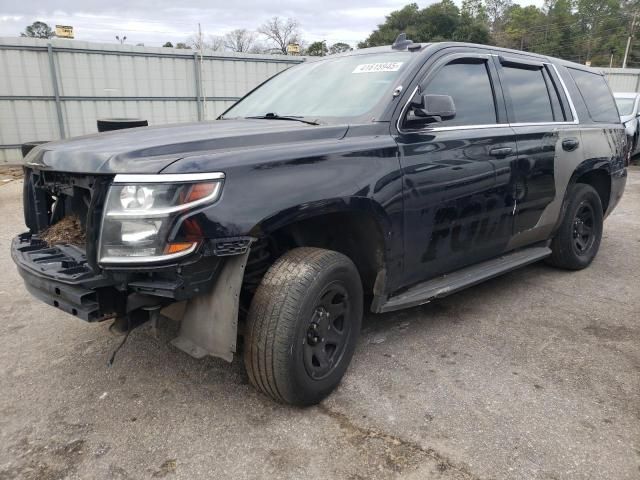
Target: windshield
x=625 y=105
x=336 y=87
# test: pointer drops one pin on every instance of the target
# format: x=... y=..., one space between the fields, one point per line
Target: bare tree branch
x=281 y=32
x=240 y=40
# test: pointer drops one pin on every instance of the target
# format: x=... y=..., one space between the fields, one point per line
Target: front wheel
x=578 y=239
x=303 y=325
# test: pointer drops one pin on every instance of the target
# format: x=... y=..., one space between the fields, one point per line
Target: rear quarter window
x=596 y=95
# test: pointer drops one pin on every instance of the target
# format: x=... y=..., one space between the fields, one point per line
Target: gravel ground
x=532 y=375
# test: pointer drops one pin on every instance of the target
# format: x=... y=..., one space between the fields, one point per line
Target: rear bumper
x=61 y=277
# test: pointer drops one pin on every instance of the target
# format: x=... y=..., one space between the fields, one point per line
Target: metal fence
x=623 y=79
x=59 y=88
x=52 y=89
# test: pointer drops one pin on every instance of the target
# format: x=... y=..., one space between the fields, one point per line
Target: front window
x=333 y=88
x=625 y=105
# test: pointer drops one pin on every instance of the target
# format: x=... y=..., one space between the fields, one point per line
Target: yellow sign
x=64 y=31
x=293 y=49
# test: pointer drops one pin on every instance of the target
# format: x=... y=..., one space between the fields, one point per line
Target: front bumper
x=62 y=277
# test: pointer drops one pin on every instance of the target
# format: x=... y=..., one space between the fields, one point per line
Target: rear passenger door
x=539 y=114
x=456 y=212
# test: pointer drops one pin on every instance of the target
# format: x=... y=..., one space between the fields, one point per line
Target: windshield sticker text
x=378 y=67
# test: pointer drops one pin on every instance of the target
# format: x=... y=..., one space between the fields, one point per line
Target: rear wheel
x=303 y=325
x=578 y=239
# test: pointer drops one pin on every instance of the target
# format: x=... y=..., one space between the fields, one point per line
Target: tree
x=38 y=30
x=281 y=32
x=403 y=20
x=339 y=47
x=495 y=11
x=317 y=49
x=168 y=45
x=183 y=46
x=437 y=22
x=240 y=40
x=215 y=43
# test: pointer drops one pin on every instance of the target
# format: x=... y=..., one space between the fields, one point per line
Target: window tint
x=529 y=94
x=470 y=87
x=596 y=95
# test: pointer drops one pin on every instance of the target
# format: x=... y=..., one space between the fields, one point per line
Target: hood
x=151 y=149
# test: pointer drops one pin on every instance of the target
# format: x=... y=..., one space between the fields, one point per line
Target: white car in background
x=628 y=107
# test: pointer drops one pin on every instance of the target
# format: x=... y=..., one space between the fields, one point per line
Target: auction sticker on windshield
x=378 y=67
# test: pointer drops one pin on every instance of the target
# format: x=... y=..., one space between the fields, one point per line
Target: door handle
x=570 y=144
x=500 y=152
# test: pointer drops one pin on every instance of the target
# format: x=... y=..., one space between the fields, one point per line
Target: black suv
x=379 y=179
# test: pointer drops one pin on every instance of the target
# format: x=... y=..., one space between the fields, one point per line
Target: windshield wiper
x=275 y=116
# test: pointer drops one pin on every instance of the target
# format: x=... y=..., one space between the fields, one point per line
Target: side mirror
x=433 y=108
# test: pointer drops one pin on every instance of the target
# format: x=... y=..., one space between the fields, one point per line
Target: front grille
x=63 y=208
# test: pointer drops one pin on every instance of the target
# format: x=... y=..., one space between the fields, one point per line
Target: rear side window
x=470 y=87
x=529 y=95
x=596 y=95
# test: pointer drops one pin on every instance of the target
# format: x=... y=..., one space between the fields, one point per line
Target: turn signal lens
x=178 y=247
x=200 y=190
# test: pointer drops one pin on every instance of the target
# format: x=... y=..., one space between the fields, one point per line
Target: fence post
x=56 y=90
x=198 y=73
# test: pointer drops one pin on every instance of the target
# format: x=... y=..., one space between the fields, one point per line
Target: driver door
x=457 y=190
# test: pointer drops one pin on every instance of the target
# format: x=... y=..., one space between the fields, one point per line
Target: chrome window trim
x=136 y=260
x=572 y=107
x=137 y=178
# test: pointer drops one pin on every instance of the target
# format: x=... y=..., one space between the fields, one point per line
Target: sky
x=153 y=22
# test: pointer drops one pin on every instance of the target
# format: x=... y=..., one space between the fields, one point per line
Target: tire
x=578 y=239
x=110 y=124
x=303 y=325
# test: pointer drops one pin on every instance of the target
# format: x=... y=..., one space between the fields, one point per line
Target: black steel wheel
x=583 y=228
x=303 y=325
x=328 y=332
x=577 y=240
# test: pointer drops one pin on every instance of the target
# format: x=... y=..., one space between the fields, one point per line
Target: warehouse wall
x=52 y=89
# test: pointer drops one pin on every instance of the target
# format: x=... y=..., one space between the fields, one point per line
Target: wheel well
x=354 y=234
x=601 y=182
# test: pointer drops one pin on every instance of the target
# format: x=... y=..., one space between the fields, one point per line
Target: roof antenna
x=401 y=42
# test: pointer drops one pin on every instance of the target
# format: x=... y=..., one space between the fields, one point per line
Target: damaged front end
x=61 y=262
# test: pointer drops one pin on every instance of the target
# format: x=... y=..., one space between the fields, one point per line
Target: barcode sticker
x=378 y=67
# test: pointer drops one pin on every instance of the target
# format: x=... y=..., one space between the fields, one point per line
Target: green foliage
x=437 y=22
x=317 y=49
x=168 y=45
x=38 y=30
x=577 y=30
x=339 y=47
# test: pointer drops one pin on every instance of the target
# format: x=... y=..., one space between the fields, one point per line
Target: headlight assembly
x=141 y=209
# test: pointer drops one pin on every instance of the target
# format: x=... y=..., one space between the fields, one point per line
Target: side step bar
x=461 y=279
